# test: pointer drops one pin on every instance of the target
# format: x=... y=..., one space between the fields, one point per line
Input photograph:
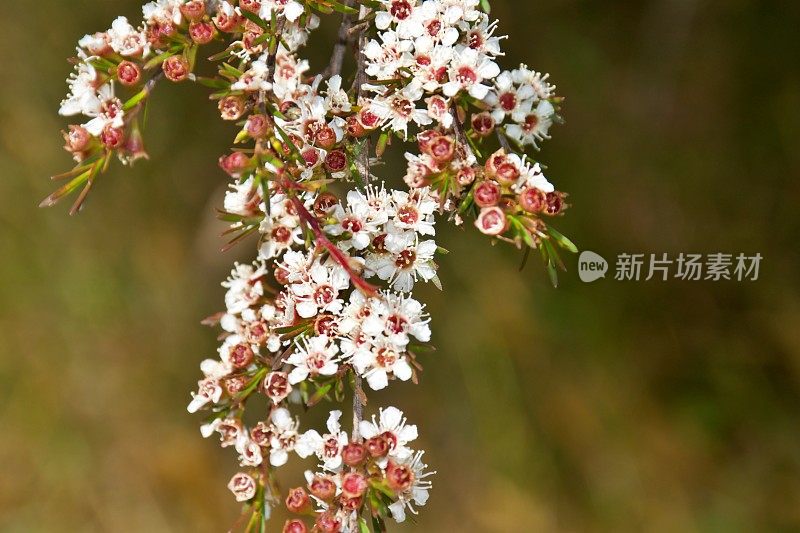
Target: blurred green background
x=649 y=406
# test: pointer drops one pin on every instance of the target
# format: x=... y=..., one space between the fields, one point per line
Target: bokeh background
x=649 y=406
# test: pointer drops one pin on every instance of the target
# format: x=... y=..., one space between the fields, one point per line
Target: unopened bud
x=77 y=139
x=336 y=161
x=176 y=68
x=354 y=485
x=327 y=522
x=400 y=478
x=486 y=194
x=201 y=32
x=241 y=356
x=298 y=501
x=234 y=163
x=532 y=200
x=258 y=126
x=295 y=526
x=325 y=137
x=492 y=221
x=378 y=446
x=253 y=6
x=354 y=454
x=193 y=9
x=323 y=487
x=129 y=73
x=483 y=124
x=231 y=107
x=113 y=137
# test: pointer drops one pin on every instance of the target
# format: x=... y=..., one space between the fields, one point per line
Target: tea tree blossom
x=325 y=313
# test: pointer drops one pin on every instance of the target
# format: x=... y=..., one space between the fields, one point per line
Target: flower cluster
x=326 y=306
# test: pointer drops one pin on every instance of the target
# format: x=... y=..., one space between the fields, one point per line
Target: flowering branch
x=327 y=304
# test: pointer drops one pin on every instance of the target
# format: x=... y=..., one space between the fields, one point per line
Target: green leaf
x=485 y=6
x=562 y=240
x=319 y=395
x=362 y=526
x=256 y=19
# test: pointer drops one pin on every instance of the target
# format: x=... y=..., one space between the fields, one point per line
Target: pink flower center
x=508 y=101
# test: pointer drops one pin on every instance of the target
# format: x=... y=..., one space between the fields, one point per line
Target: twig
x=361 y=79
x=343 y=42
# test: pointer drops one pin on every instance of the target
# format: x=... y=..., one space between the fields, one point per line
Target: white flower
x=417 y=493
x=328 y=447
x=127 y=40
x=209 y=391
x=254 y=79
x=467 y=71
x=245 y=286
x=291 y=9
x=242 y=198
x=391 y=422
x=283 y=436
x=243 y=486
x=376 y=363
x=336 y=100
x=396 y=316
x=385 y=58
x=529 y=175
x=249 y=451
x=407 y=260
x=507 y=98
x=315 y=356
x=82 y=97
x=415 y=210
x=404 y=14
x=399 y=108
x=320 y=292
x=361 y=220
x=532 y=125
x=538 y=81
x=163 y=11
x=480 y=36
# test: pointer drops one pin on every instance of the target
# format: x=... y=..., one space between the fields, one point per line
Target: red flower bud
x=298 y=501
x=261 y=434
x=193 y=9
x=234 y=163
x=351 y=504
x=507 y=173
x=201 y=32
x=555 y=203
x=426 y=138
x=176 y=68
x=77 y=139
x=442 y=148
x=466 y=176
x=231 y=107
x=253 y=6
x=128 y=73
x=227 y=23
x=294 y=526
x=234 y=385
x=258 y=126
x=532 y=200
x=241 y=356
x=336 y=161
x=354 y=128
x=323 y=487
x=378 y=446
x=113 y=137
x=328 y=523
x=354 y=485
x=492 y=221
x=281 y=275
x=400 y=478
x=483 y=124
x=368 y=119
x=325 y=137
x=495 y=160
x=487 y=194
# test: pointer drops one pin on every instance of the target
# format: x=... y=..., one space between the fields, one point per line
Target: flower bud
x=354 y=485
x=258 y=126
x=425 y=139
x=325 y=137
x=201 y=32
x=483 y=124
x=128 y=73
x=98 y=44
x=378 y=446
x=354 y=454
x=261 y=434
x=298 y=501
x=295 y=526
x=327 y=522
x=324 y=202
x=495 y=160
x=241 y=356
x=231 y=107
x=227 y=23
x=243 y=486
x=253 y=6
x=193 y=9
x=442 y=148
x=507 y=173
x=492 y=221
x=532 y=200
x=325 y=324
x=336 y=161
x=234 y=163
x=354 y=128
x=400 y=478
x=77 y=139
x=281 y=275
x=176 y=68
x=323 y=487
x=351 y=504
x=466 y=176
x=368 y=119
x=555 y=203
x=234 y=385
x=113 y=137
x=277 y=386
x=487 y=194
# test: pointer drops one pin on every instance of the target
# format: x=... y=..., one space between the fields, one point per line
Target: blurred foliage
x=649 y=406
